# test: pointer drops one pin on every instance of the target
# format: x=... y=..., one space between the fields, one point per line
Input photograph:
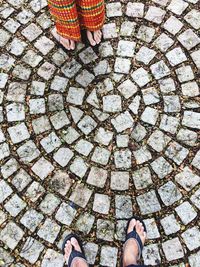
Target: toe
x=72 y=44
x=68 y=249
x=131 y=225
x=144 y=235
x=137 y=226
x=98 y=40
x=140 y=230
x=68 y=246
x=75 y=244
x=99 y=34
x=97 y=37
x=66 y=44
x=90 y=38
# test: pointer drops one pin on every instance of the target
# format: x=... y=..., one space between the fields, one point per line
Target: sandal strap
x=75 y=254
x=133 y=234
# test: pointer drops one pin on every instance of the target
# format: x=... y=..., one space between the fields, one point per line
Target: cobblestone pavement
x=88 y=139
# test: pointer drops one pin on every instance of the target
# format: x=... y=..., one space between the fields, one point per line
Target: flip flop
x=74 y=253
x=133 y=234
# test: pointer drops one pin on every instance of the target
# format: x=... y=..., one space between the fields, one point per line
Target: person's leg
x=77 y=262
x=130 y=250
x=65 y=15
x=91 y=15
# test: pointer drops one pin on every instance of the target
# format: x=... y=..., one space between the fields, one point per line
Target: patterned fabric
x=71 y=16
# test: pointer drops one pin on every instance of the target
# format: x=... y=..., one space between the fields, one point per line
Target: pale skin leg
x=130 y=252
x=77 y=262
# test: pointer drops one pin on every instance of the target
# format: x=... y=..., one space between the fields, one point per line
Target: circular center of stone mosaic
x=91 y=138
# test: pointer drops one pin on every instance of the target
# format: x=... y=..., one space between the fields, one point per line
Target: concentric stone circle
x=91 y=138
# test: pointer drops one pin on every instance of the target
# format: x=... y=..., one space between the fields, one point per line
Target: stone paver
x=31 y=250
x=151 y=254
x=170 y=224
x=65 y=214
x=92 y=137
x=11 y=234
x=173 y=249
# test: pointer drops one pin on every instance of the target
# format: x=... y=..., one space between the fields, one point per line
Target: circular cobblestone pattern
x=88 y=139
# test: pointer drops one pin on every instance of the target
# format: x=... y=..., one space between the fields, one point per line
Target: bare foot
x=77 y=262
x=130 y=253
x=97 y=36
x=67 y=43
x=94 y=37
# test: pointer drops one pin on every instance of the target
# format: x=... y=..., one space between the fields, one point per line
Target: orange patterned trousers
x=71 y=16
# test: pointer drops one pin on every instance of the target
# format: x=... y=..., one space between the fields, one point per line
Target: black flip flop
x=74 y=253
x=134 y=234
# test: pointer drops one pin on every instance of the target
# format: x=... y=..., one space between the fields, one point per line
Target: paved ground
x=87 y=139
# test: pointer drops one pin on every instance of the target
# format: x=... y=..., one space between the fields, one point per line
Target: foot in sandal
x=135 y=238
x=73 y=252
